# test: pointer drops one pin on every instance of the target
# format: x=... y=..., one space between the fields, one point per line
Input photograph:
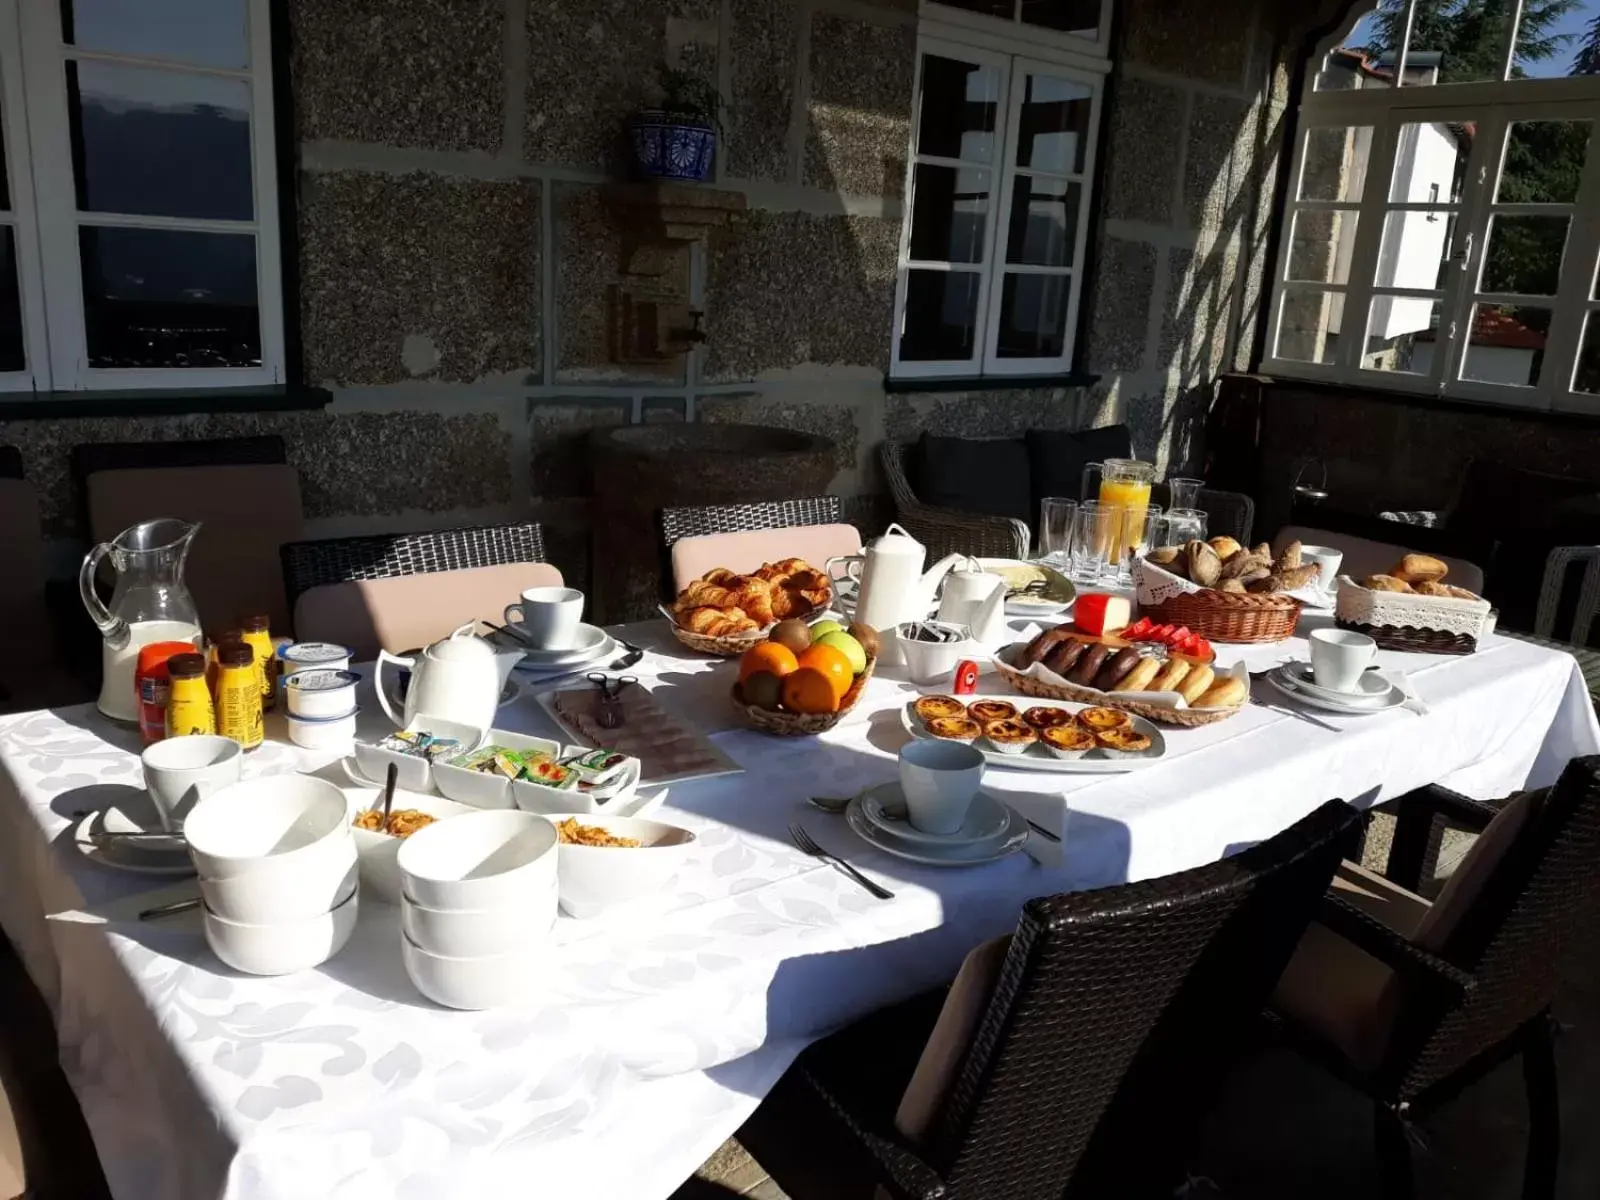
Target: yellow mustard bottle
x=238 y=695
x=258 y=637
x=189 y=708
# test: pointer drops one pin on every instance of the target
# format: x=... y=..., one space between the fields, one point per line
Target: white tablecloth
x=658 y=1031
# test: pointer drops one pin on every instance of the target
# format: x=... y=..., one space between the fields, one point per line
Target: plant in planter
x=678 y=138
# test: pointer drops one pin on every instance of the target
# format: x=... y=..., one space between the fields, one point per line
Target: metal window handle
x=1461 y=255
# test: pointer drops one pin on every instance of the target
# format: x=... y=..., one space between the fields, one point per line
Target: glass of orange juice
x=1125 y=484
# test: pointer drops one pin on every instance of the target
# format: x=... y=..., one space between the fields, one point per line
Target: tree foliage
x=1472 y=34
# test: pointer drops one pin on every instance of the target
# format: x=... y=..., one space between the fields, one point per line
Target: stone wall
x=456 y=258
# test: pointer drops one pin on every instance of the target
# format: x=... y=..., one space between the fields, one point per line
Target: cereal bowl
x=480 y=860
x=291 y=829
x=379 y=853
x=478 y=933
x=595 y=878
x=262 y=898
x=284 y=947
x=471 y=983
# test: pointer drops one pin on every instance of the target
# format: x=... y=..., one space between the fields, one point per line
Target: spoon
x=167 y=910
x=388 y=791
x=829 y=804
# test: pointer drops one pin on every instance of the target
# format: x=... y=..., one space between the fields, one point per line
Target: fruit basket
x=794 y=724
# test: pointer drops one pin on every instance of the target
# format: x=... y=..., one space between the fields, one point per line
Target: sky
x=1575 y=23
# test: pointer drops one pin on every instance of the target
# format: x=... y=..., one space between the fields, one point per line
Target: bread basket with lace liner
x=1169 y=599
x=1166 y=708
x=1410 y=621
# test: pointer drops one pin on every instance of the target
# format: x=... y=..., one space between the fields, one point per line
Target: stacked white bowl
x=277 y=871
x=478 y=898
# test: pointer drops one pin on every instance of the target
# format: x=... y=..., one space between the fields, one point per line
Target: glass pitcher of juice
x=1125 y=484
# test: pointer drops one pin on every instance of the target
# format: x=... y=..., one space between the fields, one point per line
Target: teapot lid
x=461 y=646
x=896 y=540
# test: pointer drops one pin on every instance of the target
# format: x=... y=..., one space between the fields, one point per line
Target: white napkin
x=1399 y=679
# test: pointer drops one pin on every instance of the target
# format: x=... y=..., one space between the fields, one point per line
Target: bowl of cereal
x=607 y=861
x=378 y=842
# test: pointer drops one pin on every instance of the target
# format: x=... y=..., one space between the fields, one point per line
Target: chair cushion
x=1340 y=991
x=975 y=475
x=946 y=1050
x=1465 y=884
x=1056 y=457
x=412 y=610
x=745 y=551
x=1363 y=556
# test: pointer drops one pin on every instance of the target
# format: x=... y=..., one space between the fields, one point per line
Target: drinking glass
x=1095 y=528
x=1056 y=514
x=1140 y=528
x=1093 y=473
x=1183 y=492
x=1185 y=525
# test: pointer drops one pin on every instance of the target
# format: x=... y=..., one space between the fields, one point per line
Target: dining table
x=657 y=1028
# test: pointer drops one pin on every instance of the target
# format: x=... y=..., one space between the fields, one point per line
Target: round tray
x=1029 y=686
x=1229 y=616
x=785 y=724
x=731 y=646
x=1418 y=641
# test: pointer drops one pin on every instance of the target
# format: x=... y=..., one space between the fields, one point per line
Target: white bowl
x=323 y=733
x=595 y=878
x=478 y=933
x=480 y=860
x=379 y=854
x=935 y=662
x=483 y=790
x=472 y=983
x=282 y=948
x=264 y=898
x=416 y=772
x=320 y=692
x=294 y=828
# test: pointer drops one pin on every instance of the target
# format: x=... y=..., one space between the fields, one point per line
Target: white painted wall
x=1413 y=245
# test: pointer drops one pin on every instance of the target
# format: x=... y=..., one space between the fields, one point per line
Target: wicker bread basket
x=731 y=645
x=1215 y=616
x=1408 y=621
x=787 y=724
x=1030 y=684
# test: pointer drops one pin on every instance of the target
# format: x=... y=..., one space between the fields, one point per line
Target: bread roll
x=1138 y=679
x=1262 y=550
x=1231 y=585
x=1289 y=559
x=1385 y=583
x=1461 y=593
x=1196 y=682
x=1267 y=585
x=1205 y=566
x=1296 y=577
x=1253 y=574
x=1419 y=568
x=1429 y=588
x=1225 y=546
x=1170 y=676
x=1224 y=693
x=1243 y=563
x=1164 y=556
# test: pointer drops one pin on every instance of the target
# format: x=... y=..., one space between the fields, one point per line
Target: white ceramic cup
x=180 y=771
x=939 y=780
x=547 y=617
x=1329 y=559
x=1339 y=656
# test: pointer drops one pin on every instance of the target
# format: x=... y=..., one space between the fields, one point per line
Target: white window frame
x=20 y=216
x=37 y=116
x=1015 y=51
x=1492 y=107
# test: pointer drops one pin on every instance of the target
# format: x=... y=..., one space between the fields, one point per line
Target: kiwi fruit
x=867 y=636
x=794 y=634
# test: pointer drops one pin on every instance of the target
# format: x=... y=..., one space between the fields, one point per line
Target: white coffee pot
x=456 y=679
x=894 y=587
x=977 y=599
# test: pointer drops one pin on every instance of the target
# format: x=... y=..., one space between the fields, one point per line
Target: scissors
x=608 y=709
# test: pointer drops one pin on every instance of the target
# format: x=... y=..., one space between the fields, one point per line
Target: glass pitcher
x=148 y=604
x=1125 y=484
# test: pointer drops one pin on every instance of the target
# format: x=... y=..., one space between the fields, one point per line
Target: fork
x=808 y=845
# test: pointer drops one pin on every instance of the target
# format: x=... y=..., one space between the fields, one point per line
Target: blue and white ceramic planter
x=666 y=146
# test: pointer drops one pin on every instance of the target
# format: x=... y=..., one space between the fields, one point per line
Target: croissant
x=701 y=594
x=717 y=622
x=807 y=579
x=754 y=596
x=774 y=571
x=786 y=604
x=719 y=576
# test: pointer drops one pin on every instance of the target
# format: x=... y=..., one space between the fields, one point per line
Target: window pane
x=941 y=318
x=1588 y=377
x=1335 y=165
x=949 y=212
x=1033 y=315
x=1074 y=16
x=1321 y=245
x=1524 y=255
x=1053 y=125
x=1309 y=327
x=989 y=8
x=1416 y=249
x=1347 y=67
x=959 y=105
x=1543 y=162
x=1506 y=344
x=160 y=143
x=1461 y=43
x=12 y=354
x=212 y=33
x=169 y=298
x=1430 y=163
x=1044 y=221
x=1402 y=334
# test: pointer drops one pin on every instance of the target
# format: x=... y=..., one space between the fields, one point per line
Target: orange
x=831 y=662
x=767 y=656
x=809 y=691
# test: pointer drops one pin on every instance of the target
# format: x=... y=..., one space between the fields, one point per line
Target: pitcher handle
x=853 y=564
x=114 y=629
x=383 y=693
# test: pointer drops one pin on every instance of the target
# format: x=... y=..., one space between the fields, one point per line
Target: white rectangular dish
x=1036 y=757
x=669 y=748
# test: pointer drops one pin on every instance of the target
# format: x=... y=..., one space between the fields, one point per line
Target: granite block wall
x=458 y=267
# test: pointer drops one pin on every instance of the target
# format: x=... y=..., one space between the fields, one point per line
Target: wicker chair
x=1561 y=559
x=1485 y=996
x=944 y=530
x=737 y=518
x=1230 y=513
x=385 y=555
x=1112 y=1017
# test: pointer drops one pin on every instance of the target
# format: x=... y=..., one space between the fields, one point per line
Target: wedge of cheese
x=1099 y=613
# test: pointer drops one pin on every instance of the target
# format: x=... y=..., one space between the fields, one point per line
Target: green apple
x=848 y=646
x=822 y=628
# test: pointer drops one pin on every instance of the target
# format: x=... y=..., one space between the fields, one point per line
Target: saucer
x=143 y=856
x=885 y=806
x=1370 y=687
x=962 y=854
x=589 y=642
x=1286 y=683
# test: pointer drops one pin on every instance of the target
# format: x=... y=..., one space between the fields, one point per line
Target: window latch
x=1461 y=255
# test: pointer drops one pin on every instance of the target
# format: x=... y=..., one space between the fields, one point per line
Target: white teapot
x=894 y=587
x=977 y=599
x=456 y=679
